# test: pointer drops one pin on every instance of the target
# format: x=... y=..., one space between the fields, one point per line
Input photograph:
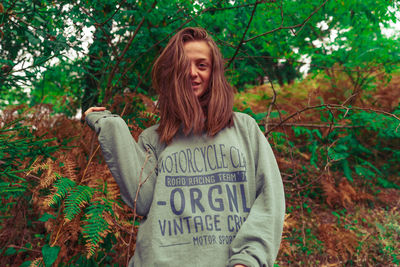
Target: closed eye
x=203 y=65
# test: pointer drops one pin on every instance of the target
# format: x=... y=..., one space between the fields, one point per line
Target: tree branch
x=100 y=25
x=112 y=16
x=119 y=59
x=141 y=183
x=332 y=106
x=314 y=125
x=243 y=36
x=301 y=25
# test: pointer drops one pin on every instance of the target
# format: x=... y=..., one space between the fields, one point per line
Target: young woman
x=211 y=192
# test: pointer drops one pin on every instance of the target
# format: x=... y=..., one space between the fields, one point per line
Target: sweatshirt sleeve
x=258 y=240
x=126 y=158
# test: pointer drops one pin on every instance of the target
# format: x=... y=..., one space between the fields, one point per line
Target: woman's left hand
x=89 y=110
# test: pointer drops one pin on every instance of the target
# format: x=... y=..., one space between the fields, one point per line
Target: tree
x=262 y=39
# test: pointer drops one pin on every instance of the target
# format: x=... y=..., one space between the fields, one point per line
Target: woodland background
x=335 y=131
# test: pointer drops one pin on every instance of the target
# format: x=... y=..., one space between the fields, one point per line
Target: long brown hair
x=179 y=107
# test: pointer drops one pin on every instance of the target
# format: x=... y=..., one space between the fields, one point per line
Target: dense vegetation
x=335 y=132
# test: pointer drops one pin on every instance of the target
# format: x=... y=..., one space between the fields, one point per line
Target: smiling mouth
x=195 y=85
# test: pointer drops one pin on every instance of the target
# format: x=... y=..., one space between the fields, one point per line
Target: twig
x=273 y=101
x=314 y=125
x=33 y=176
x=100 y=25
x=243 y=36
x=97 y=149
x=87 y=165
x=240 y=6
x=303 y=232
x=116 y=11
x=20 y=247
x=332 y=106
x=148 y=155
x=119 y=59
x=343 y=68
x=301 y=25
x=59 y=229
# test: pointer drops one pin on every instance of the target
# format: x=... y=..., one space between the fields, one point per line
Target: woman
x=210 y=189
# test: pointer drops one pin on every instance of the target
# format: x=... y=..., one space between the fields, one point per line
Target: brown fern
x=339 y=243
x=343 y=195
x=69 y=169
x=52 y=168
x=332 y=195
x=38 y=262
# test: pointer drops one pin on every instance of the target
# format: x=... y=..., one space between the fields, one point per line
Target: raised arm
x=130 y=163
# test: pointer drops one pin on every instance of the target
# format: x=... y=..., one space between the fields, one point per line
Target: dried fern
x=38 y=262
x=70 y=169
x=50 y=175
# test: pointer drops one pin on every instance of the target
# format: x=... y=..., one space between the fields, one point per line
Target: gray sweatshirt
x=207 y=201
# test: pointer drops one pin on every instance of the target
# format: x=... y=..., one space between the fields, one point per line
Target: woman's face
x=199 y=54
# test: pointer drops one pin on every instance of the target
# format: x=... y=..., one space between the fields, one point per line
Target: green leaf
x=10 y=251
x=26 y=264
x=45 y=217
x=259 y=116
x=380 y=227
x=96 y=227
x=337 y=215
x=347 y=170
x=76 y=200
x=50 y=254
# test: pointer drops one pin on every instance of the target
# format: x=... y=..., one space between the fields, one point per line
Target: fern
x=70 y=169
x=63 y=186
x=11 y=189
x=96 y=227
x=78 y=197
x=38 y=262
x=50 y=174
x=385 y=126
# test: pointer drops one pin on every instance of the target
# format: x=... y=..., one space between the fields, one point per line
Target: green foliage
x=19 y=147
x=46 y=217
x=44 y=58
x=96 y=227
x=63 y=186
x=59 y=87
x=17 y=143
x=50 y=254
x=79 y=196
x=356 y=148
x=63 y=68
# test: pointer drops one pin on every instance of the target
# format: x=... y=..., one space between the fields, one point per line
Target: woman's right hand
x=94 y=109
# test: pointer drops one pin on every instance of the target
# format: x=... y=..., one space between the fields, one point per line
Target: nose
x=193 y=71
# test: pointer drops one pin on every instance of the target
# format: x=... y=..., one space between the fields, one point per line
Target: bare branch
x=301 y=25
x=243 y=36
x=148 y=155
x=119 y=59
x=240 y=6
x=314 y=125
x=344 y=68
x=100 y=25
x=273 y=101
x=332 y=106
x=112 y=16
